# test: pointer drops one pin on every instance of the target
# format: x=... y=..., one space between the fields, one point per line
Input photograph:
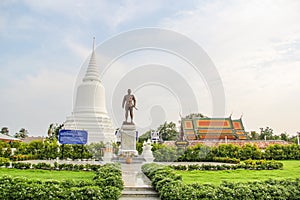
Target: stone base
x=128 y=123
x=128 y=153
x=107 y=157
x=134 y=159
x=128 y=140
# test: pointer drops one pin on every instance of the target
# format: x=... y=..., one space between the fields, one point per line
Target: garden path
x=136 y=184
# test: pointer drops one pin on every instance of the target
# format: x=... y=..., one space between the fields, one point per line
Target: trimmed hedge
x=24 y=188
x=170 y=187
x=248 y=164
x=226 y=160
x=46 y=166
x=21 y=165
x=225 y=152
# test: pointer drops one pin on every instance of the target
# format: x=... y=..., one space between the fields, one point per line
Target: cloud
x=247 y=29
x=254 y=46
x=2 y=23
x=36 y=101
x=77 y=48
x=110 y=13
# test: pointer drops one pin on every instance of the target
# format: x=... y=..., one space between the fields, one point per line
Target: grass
x=47 y=174
x=291 y=169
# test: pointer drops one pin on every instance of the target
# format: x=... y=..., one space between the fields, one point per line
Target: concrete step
x=139 y=193
x=138 y=188
x=139 y=198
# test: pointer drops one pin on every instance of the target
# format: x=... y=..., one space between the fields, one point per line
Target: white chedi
x=147 y=153
x=89 y=112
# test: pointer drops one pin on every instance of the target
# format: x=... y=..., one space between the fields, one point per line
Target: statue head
x=129 y=91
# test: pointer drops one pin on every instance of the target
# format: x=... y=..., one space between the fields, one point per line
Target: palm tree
x=22 y=134
x=4 y=131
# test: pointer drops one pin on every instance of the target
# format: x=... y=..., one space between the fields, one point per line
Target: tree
x=194 y=115
x=294 y=139
x=145 y=136
x=36 y=147
x=53 y=131
x=254 y=135
x=266 y=133
x=4 y=131
x=284 y=136
x=96 y=149
x=168 y=131
x=50 y=150
x=22 y=134
x=3 y=145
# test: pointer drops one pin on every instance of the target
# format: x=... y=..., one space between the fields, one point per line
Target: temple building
x=89 y=111
x=213 y=129
x=7 y=138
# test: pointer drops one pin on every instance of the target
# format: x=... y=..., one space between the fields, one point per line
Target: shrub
x=41 y=166
x=197 y=153
x=87 y=192
x=248 y=164
x=172 y=187
x=180 y=167
x=226 y=160
x=228 y=153
x=226 y=150
x=109 y=174
x=163 y=153
x=249 y=151
x=20 y=165
x=23 y=188
x=263 y=164
x=111 y=193
x=4 y=162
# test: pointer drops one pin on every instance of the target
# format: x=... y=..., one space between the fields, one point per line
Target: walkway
x=136 y=185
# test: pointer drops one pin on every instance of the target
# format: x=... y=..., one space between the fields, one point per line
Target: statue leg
x=126 y=113
x=131 y=114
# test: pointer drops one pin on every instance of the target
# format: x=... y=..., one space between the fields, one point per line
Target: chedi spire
x=92 y=72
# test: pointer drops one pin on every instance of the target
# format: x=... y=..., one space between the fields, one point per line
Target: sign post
x=72 y=136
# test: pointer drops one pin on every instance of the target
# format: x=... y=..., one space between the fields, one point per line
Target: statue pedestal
x=128 y=140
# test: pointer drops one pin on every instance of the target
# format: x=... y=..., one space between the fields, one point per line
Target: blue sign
x=72 y=137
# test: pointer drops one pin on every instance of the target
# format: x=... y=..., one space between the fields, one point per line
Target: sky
x=254 y=45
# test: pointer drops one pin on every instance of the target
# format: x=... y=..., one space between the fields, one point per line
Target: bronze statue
x=129 y=102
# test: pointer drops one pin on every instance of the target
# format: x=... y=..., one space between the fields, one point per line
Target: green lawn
x=47 y=174
x=291 y=169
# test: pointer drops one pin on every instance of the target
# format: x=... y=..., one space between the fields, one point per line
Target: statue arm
x=123 y=103
x=134 y=101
